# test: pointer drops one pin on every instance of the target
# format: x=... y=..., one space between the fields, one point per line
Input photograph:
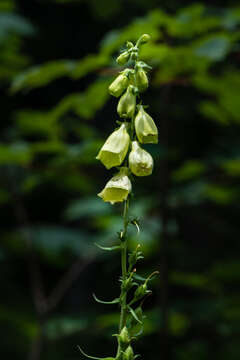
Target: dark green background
x=56 y=62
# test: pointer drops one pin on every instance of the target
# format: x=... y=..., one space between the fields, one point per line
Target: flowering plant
x=122 y=149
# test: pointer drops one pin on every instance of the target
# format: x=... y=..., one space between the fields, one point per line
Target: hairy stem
x=123 y=296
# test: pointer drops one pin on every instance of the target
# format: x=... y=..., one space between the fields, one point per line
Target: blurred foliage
x=56 y=62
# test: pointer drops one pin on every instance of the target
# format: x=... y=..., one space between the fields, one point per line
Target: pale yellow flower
x=145 y=127
x=115 y=148
x=127 y=103
x=117 y=188
x=140 y=161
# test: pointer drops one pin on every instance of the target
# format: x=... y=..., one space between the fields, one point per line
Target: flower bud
x=128 y=354
x=140 y=292
x=141 y=79
x=115 y=148
x=123 y=337
x=144 y=39
x=140 y=161
x=117 y=188
x=123 y=58
x=119 y=84
x=129 y=44
x=127 y=103
x=145 y=127
x=127 y=284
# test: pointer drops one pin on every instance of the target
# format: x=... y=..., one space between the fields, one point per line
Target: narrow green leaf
x=134 y=315
x=93 y=357
x=114 y=301
x=111 y=248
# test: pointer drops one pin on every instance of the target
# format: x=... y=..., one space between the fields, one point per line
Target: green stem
x=123 y=296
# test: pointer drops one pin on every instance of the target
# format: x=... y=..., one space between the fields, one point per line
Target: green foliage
x=53 y=118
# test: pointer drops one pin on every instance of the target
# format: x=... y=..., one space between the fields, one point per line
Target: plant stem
x=123 y=296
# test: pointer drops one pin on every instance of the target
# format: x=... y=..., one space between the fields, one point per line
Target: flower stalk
x=122 y=148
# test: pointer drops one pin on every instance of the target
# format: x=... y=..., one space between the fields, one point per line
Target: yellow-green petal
x=145 y=127
x=115 y=148
x=140 y=161
x=117 y=188
x=127 y=103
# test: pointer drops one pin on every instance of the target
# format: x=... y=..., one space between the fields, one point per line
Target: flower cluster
x=122 y=148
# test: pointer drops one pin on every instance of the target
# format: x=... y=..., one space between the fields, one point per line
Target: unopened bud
x=129 y=44
x=140 y=161
x=127 y=103
x=128 y=354
x=127 y=283
x=118 y=86
x=123 y=337
x=140 y=292
x=141 y=79
x=144 y=39
x=123 y=58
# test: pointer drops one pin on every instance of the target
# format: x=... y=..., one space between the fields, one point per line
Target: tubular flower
x=127 y=103
x=115 y=148
x=117 y=188
x=140 y=161
x=119 y=84
x=141 y=79
x=145 y=127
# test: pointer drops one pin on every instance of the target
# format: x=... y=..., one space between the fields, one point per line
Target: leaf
x=114 y=301
x=58 y=241
x=64 y=326
x=93 y=357
x=214 y=47
x=189 y=170
x=14 y=23
x=86 y=207
x=136 y=328
x=134 y=315
x=38 y=76
x=117 y=247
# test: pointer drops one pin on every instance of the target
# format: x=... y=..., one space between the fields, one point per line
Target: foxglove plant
x=122 y=150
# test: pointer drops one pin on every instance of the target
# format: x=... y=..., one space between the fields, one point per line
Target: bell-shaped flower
x=145 y=127
x=140 y=161
x=115 y=148
x=117 y=188
x=127 y=103
x=119 y=85
x=141 y=79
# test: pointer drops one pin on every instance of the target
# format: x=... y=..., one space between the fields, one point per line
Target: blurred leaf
x=14 y=23
x=86 y=207
x=214 y=47
x=16 y=153
x=57 y=241
x=59 y=327
x=232 y=167
x=189 y=170
x=41 y=75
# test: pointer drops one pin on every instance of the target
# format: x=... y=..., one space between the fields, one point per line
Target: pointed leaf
x=111 y=248
x=134 y=315
x=93 y=357
x=135 y=328
x=114 y=301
